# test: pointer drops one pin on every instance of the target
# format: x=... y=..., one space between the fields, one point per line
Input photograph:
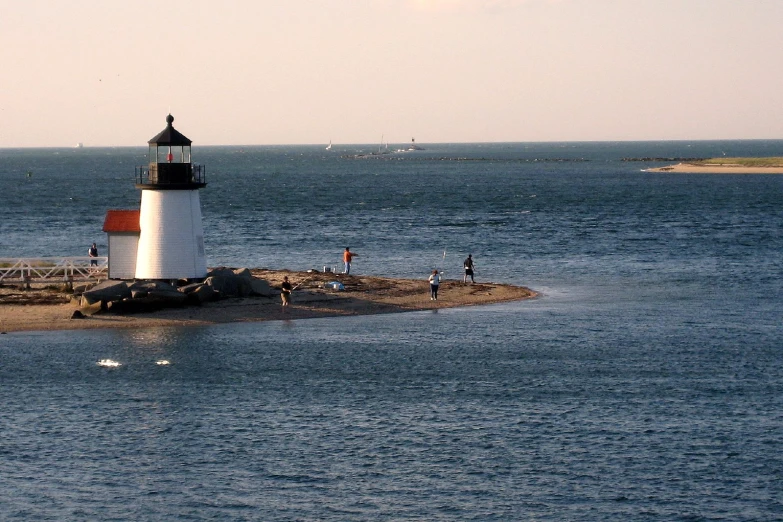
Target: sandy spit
x=45 y=309
x=688 y=168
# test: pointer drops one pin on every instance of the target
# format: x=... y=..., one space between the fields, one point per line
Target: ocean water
x=646 y=383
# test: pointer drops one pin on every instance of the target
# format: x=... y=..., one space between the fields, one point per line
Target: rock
x=141 y=289
x=149 y=296
x=225 y=285
x=221 y=271
x=170 y=298
x=107 y=291
x=78 y=315
x=81 y=288
x=229 y=286
x=134 y=306
x=92 y=309
x=243 y=273
x=202 y=294
x=192 y=287
x=244 y=287
x=261 y=287
x=154 y=301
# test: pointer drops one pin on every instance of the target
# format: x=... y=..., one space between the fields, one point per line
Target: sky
x=262 y=72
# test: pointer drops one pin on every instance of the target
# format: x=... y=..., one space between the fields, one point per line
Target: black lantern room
x=170 y=167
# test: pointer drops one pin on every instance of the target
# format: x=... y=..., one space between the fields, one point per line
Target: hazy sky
x=349 y=71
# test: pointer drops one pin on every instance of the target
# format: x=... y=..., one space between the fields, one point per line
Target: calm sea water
x=645 y=384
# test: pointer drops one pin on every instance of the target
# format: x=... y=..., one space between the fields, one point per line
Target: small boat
x=329 y=147
x=79 y=145
x=410 y=148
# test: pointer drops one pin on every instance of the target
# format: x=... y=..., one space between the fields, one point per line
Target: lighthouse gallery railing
x=171 y=174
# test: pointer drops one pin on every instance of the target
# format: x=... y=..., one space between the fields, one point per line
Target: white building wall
x=171 y=245
x=122 y=255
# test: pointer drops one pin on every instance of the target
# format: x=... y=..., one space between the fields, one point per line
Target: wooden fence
x=53 y=269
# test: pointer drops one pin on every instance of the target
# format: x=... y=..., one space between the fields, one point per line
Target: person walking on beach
x=285 y=291
x=347 y=258
x=468 y=265
x=93 y=252
x=434 y=284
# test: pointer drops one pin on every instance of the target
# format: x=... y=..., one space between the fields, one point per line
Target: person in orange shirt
x=347 y=257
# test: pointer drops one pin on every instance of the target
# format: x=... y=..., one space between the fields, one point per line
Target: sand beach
x=44 y=308
x=717 y=168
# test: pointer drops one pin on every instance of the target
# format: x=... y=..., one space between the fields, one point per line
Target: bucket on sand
x=327 y=269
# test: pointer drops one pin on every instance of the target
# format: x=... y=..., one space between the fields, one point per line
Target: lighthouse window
x=162 y=154
x=169 y=154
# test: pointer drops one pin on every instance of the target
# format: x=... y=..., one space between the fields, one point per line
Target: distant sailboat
x=383 y=148
x=329 y=147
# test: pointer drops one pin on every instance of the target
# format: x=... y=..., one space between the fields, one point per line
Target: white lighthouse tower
x=171 y=241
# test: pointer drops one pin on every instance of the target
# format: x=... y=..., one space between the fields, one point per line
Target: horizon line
x=85 y=146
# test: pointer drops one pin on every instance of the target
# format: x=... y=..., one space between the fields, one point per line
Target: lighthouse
x=171 y=238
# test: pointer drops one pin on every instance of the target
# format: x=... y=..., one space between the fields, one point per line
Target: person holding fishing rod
x=435 y=279
x=468 y=265
x=285 y=291
x=434 y=285
x=347 y=258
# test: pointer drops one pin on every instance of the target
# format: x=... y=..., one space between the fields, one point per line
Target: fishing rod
x=302 y=282
x=442 y=263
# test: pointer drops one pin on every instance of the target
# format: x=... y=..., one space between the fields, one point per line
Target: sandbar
x=45 y=309
x=723 y=168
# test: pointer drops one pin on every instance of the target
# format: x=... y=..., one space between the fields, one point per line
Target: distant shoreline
x=772 y=165
x=688 y=168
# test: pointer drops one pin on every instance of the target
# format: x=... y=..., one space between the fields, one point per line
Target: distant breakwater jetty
x=389 y=157
x=393 y=157
x=668 y=159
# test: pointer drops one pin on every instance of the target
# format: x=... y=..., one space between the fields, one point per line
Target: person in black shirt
x=93 y=252
x=468 y=264
x=285 y=291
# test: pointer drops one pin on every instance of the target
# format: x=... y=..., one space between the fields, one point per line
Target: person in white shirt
x=434 y=284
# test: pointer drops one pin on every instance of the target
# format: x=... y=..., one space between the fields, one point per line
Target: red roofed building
x=123 y=230
x=122 y=221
